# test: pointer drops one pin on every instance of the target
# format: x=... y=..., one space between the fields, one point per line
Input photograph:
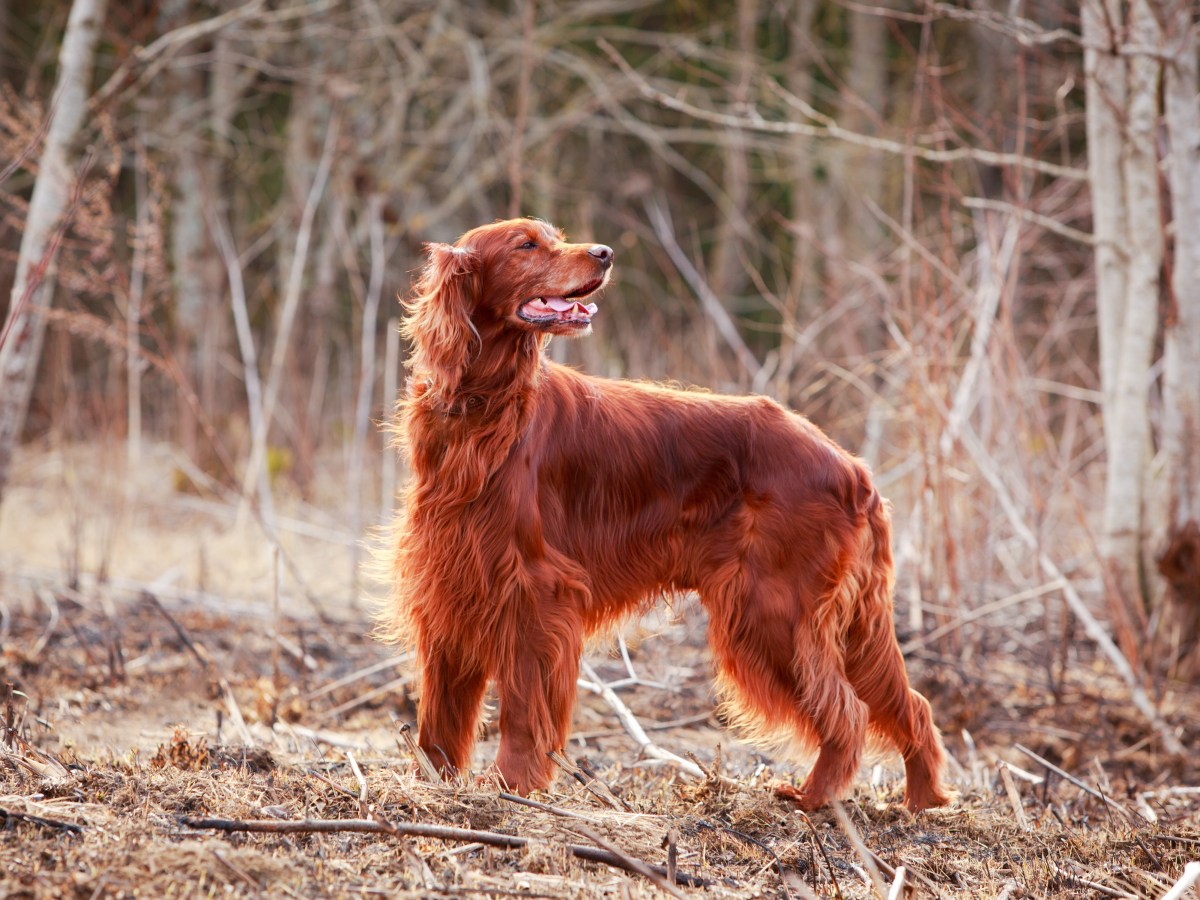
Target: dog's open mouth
x=569 y=309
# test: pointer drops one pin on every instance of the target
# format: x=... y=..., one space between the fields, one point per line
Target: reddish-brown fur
x=544 y=504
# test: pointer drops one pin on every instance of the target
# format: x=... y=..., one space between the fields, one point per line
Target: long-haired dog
x=543 y=504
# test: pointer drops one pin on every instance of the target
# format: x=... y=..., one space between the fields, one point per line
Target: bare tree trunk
x=21 y=350
x=1123 y=181
x=1128 y=417
x=861 y=171
x=1180 y=560
x=188 y=244
x=725 y=272
x=1105 y=91
x=800 y=284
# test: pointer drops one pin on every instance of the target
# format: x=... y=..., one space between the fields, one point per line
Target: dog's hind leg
x=876 y=669
x=829 y=705
x=783 y=677
x=898 y=713
x=750 y=634
x=782 y=680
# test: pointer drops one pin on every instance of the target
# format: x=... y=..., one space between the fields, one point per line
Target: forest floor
x=124 y=739
x=148 y=727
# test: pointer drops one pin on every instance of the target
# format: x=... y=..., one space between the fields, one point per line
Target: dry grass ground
x=123 y=733
x=135 y=714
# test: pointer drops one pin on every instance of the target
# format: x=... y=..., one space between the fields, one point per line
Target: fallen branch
x=52 y=824
x=438 y=832
x=1014 y=796
x=656 y=875
x=1191 y=874
x=589 y=780
x=634 y=728
x=1099 y=795
x=546 y=807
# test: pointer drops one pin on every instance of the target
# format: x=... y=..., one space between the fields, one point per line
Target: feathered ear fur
x=438 y=319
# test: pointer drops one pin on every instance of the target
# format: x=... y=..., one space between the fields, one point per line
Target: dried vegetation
x=144 y=742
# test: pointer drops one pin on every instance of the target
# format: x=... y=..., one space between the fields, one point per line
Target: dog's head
x=519 y=276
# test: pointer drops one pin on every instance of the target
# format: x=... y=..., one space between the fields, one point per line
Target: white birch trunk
x=56 y=174
x=1180 y=560
x=1125 y=211
x=1127 y=419
x=1105 y=88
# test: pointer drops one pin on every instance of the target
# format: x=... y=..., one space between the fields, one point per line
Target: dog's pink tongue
x=572 y=307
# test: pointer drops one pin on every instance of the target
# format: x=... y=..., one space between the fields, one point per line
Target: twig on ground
x=591 y=783
x=908 y=871
x=648 y=726
x=427 y=768
x=1191 y=875
x=874 y=879
x=357 y=675
x=634 y=728
x=333 y=784
x=546 y=807
x=319 y=737
x=201 y=655
x=896 y=891
x=837 y=888
x=671 y=840
x=235 y=712
x=51 y=824
x=1102 y=889
x=1087 y=789
x=755 y=842
x=630 y=864
x=1014 y=796
x=419 y=829
x=34 y=761
x=364 y=808
x=363 y=698
x=633 y=677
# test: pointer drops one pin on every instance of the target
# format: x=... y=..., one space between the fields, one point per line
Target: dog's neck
x=503 y=371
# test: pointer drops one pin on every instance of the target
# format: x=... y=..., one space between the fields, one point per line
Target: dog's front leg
x=536 y=688
x=451 y=695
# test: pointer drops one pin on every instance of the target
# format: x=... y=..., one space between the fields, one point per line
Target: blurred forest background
x=963 y=237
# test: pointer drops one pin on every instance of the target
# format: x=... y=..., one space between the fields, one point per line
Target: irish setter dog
x=544 y=504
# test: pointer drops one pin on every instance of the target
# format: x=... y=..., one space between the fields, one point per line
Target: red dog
x=545 y=504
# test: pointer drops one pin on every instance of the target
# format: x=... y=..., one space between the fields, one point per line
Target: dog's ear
x=438 y=318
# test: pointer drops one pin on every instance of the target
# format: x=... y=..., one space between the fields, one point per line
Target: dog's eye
x=528 y=245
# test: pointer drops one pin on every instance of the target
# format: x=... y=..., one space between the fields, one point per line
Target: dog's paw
x=806 y=801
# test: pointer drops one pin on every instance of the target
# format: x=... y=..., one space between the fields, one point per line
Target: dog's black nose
x=602 y=253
